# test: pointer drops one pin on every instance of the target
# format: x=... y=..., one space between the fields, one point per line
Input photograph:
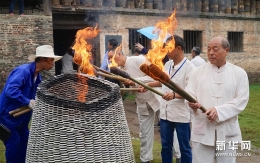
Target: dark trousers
x=16 y=145
x=21 y=6
x=183 y=134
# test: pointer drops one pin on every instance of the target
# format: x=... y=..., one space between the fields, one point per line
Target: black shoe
x=146 y=162
x=156 y=125
x=178 y=160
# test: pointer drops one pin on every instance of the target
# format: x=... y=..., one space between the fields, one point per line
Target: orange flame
x=82 y=57
x=158 y=51
x=82 y=48
x=82 y=88
x=113 y=62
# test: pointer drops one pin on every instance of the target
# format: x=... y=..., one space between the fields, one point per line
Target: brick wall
x=19 y=37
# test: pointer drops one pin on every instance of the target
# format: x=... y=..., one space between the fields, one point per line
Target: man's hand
x=212 y=114
x=31 y=104
x=129 y=83
x=169 y=96
x=194 y=106
x=139 y=46
x=142 y=89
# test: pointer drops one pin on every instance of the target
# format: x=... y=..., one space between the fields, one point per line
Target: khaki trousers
x=146 y=135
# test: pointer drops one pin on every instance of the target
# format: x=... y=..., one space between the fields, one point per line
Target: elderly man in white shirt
x=223 y=89
x=147 y=103
x=196 y=58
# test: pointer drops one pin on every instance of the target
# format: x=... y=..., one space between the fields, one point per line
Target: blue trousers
x=183 y=133
x=16 y=145
x=21 y=6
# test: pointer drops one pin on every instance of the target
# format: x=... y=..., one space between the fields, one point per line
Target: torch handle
x=130 y=89
x=104 y=71
x=146 y=86
x=169 y=86
x=184 y=94
x=18 y=110
x=22 y=112
x=111 y=76
x=124 y=79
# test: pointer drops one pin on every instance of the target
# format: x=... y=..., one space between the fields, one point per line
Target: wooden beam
x=213 y=6
x=257 y=7
x=252 y=7
x=198 y=6
x=168 y=5
x=47 y=7
x=221 y=6
x=190 y=5
x=241 y=7
x=247 y=7
x=228 y=7
x=184 y=5
x=234 y=7
x=205 y=5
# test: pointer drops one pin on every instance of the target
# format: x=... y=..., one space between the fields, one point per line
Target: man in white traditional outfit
x=196 y=58
x=223 y=89
x=147 y=103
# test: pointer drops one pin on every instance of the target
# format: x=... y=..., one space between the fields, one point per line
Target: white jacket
x=198 y=61
x=177 y=110
x=225 y=88
x=132 y=67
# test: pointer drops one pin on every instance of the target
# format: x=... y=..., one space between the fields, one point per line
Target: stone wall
x=117 y=21
x=19 y=37
x=209 y=25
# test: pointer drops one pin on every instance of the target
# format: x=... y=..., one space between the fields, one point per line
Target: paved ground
x=133 y=123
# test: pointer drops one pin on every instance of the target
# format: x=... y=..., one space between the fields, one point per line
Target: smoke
x=90 y=19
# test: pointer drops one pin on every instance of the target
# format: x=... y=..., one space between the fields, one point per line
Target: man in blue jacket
x=20 y=90
x=112 y=44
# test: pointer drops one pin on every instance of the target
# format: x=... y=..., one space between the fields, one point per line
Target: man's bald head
x=110 y=54
x=218 y=49
x=224 y=42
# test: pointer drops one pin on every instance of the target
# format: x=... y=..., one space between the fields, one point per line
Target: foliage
x=249 y=119
x=156 y=151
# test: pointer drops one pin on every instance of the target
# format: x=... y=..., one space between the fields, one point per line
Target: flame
x=158 y=51
x=82 y=48
x=81 y=87
x=82 y=57
x=113 y=62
